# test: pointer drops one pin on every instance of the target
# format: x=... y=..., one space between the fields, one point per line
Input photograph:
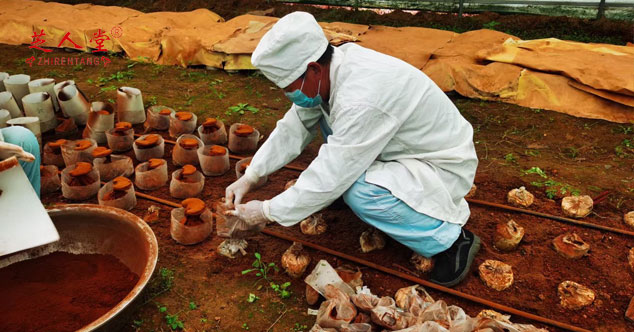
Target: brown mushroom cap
x=148 y=141
x=217 y=150
x=244 y=130
x=184 y=116
x=188 y=170
x=103 y=112
x=188 y=143
x=121 y=183
x=210 y=122
x=165 y=111
x=55 y=146
x=193 y=206
x=122 y=126
x=244 y=166
x=154 y=163
x=100 y=152
x=81 y=168
x=82 y=145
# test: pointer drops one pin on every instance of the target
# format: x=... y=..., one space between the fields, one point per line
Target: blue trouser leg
x=26 y=139
x=377 y=206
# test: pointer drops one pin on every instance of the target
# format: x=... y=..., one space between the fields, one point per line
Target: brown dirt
x=587 y=155
x=61 y=291
x=523 y=26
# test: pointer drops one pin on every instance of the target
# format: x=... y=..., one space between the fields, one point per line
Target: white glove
x=251 y=219
x=8 y=150
x=236 y=191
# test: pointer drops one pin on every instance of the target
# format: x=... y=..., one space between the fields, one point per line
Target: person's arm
x=8 y=150
x=360 y=133
x=287 y=141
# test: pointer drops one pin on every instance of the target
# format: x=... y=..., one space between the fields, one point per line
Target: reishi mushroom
x=577 y=206
x=496 y=274
x=194 y=207
x=520 y=197
x=183 y=116
x=313 y=225
x=217 y=150
x=210 y=125
x=508 y=235
x=79 y=174
x=422 y=263
x=121 y=127
x=574 y=296
x=244 y=130
x=82 y=145
x=120 y=185
x=155 y=163
x=571 y=245
x=295 y=260
x=57 y=145
x=189 y=143
x=371 y=239
x=101 y=152
x=165 y=111
x=148 y=141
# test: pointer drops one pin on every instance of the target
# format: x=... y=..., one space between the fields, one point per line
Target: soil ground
x=207 y=291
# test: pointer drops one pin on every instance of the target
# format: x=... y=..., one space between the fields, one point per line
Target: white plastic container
x=130 y=105
x=218 y=137
x=40 y=105
x=127 y=202
x=79 y=193
x=240 y=172
x=243 y=145
x=52 y=156
x=185 y=189
x=72 y=156
x=158 y=121
x=5 y=116
x=190 y=234
x=98 y=122
x=49 y=179
x=3 y=76
x=179 y=127
x=118 y=166
x=8 y=103
x=149 y=153
x=150 y=179
x=120 y=143
x=18 y=85
x=182 y=156
x=73 y=102
x=213 y=165
x=45 y=85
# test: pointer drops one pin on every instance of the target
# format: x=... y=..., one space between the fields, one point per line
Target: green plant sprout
x=261 y=268
x=241 y=108
x=252 y=298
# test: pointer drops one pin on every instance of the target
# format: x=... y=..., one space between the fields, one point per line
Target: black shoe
x=452 y=265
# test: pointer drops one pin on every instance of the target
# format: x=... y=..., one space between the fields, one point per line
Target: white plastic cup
x=118 y=166
x=239 y=172
x=72 y=156
x=18 y=85
x=218 y=137
x=146 y=154
x=120 y=143
x=190 y=234
x=213 y=165
x=127 y=202
x=40 y=105
x=79 y=193
x=130 y=105
x=183 y=189
x=243 y=145
x=72 y=101
x=50 y=180
x=3 y=76
x=178 y=127
x=45 y=85
x=8 y=103
x=5 y=116
x=182 y=156
x=158 y=121
x=150 y=179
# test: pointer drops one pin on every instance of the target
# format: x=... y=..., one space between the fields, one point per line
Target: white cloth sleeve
x=292 y=133
x=360 y=133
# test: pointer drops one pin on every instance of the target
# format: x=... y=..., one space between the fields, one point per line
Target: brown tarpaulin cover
x=587 y=80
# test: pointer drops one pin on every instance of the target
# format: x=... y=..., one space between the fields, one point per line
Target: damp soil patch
x=61 y=291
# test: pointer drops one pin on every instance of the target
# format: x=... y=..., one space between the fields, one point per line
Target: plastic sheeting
x=586 y=80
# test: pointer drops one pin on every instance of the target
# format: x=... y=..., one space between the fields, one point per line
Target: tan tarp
x=588 y=80
x=601 y=66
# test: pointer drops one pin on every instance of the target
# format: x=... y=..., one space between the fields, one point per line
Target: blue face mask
x=300 y=99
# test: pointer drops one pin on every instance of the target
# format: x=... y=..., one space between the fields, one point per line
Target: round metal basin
x=94 y=229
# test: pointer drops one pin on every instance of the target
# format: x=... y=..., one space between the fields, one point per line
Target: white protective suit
x=387 y=118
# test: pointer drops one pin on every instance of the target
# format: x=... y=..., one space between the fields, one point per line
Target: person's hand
x=249 y=219
x=8 y=150
x=236 y=191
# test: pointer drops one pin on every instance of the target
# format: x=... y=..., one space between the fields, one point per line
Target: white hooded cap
x=284 y=51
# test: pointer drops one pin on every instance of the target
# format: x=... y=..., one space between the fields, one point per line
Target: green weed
x=510 y=158
x=241 y=108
